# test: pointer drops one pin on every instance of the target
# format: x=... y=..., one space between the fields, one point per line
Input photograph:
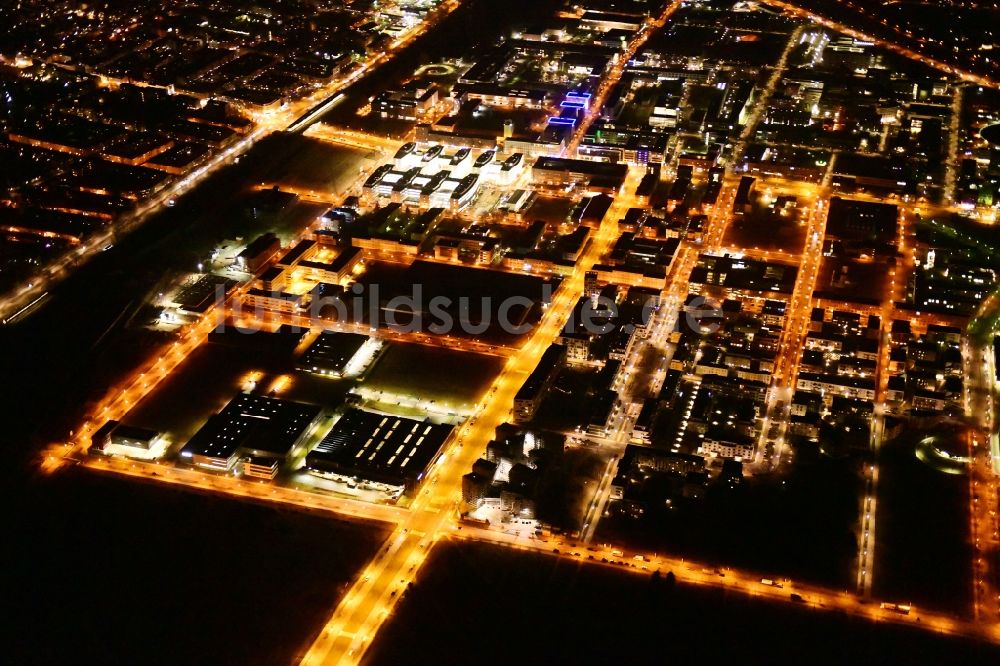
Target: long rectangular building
x=529 y=396
x=251 y=425
x=380 y=449
x=598 y=176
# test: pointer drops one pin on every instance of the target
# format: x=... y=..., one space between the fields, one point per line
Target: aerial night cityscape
x=500 y=332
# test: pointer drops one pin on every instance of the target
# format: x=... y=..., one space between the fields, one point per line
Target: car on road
x=902 y=609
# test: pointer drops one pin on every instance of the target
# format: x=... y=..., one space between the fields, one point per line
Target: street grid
x=432 y=515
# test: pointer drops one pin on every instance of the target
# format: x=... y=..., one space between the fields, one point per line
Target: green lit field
x=441 y=380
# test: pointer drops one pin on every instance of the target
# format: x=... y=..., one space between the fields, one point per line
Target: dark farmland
x=506 y=606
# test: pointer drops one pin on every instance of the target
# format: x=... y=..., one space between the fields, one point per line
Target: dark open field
x=113 y=571
x=495 y=605
x=922 y=550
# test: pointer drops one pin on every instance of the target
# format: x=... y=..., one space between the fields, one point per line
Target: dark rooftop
x=379 y=447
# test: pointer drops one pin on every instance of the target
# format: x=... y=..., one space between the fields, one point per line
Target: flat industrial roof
x=296 y=252
x=332 y=351
x=587 y=167
x=253 y=422
x=259 y=245
x=379 y=447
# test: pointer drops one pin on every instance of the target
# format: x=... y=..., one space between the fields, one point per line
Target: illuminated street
x=700 y=291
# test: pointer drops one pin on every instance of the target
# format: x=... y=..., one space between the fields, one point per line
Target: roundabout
x=436 y=70
x=943 y=453
x=991 y=134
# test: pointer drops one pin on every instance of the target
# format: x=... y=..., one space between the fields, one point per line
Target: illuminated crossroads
x=297 y=114
x=375 y=593
x=433 y=513
x=969 y=77
x=612 y=77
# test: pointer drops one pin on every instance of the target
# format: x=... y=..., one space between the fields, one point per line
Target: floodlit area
x=696 y=291
x=441 y=383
